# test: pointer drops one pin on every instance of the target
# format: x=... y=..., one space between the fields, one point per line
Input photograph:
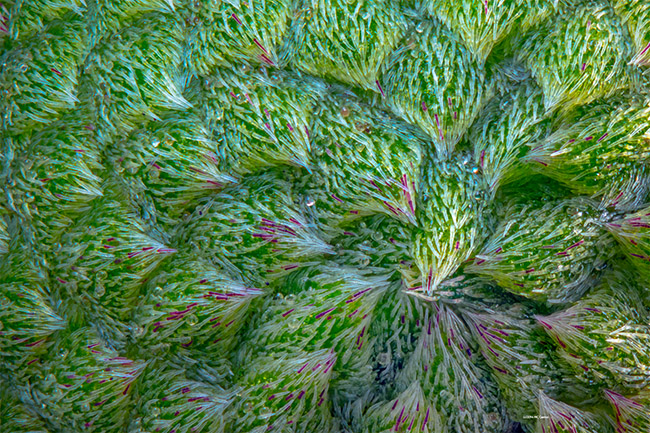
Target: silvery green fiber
x=337 y=216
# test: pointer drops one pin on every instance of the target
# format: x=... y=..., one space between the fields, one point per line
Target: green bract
x=604 y=336
x=345 y=41
x=452 y=211
x=636 y=14
x=522 y=362
x=324 y=216
x=364 y=162
x=546 y=251
x=431 y=80
x=632 y=414
x=224 y=32
x=581 y=57
x=602 y=151
x=483 y=25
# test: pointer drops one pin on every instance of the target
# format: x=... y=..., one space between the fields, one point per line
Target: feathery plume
x=482 y=25
x=168 y=402
x=632 y=231
x=104 y=259
x=327 y=308
x=522 y=361
x=108 y=17
x=23 y=18
x=82 y=385
x=131 y=75
x=57 y=177
x=580 y=56
x=548 y=252
x=557 y=417
x=28 y=318
x=192 y=306
x=602 y=151
x=285 y=391
x=432 y=81
x=254 y=229
x=259 y=119
x=345 y=41
x=41 y=76
x=507 y=128
x=605 y=335
x=636 y=14
x=377 y=244
x=5 y=237
x=15 y=416
x=169 y=165
x=452 y=211
x=447 y=366
x=364 y=161
x=632 y=414
x=226 y=33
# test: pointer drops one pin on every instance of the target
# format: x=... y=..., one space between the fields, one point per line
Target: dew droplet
x=137 y=330
x=383 y=358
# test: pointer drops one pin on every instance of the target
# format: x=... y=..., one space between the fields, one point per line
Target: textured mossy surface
x=337 y=216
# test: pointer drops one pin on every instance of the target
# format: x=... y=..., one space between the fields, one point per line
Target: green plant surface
x=586 y=49
x=324 y=216
x=549 y=252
